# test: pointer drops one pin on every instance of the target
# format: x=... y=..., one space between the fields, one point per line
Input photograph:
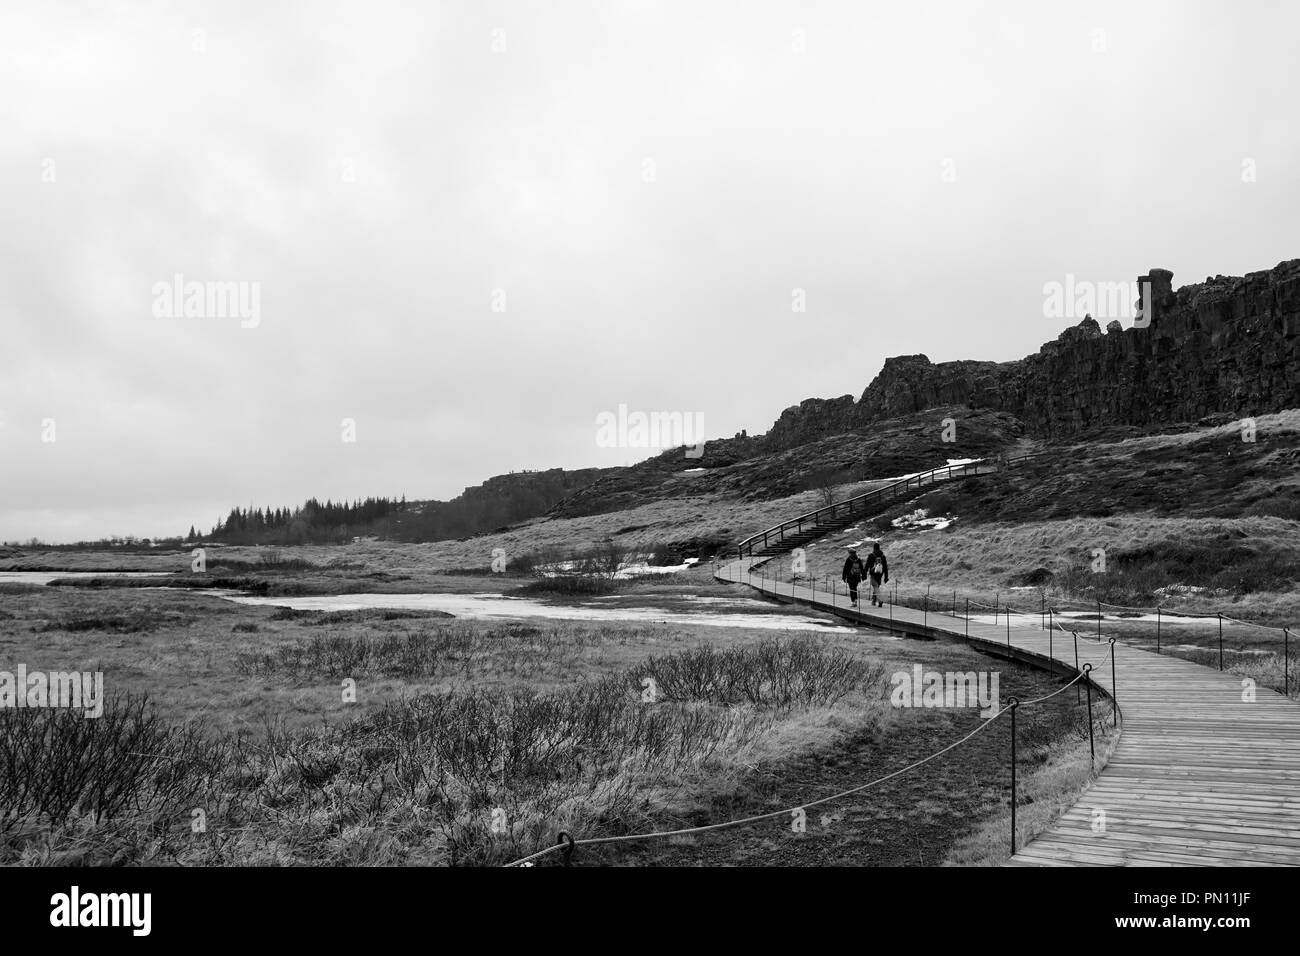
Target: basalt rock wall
x=1229 y=344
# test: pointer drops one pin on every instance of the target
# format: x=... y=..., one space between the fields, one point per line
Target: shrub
x=771 y=674
x=574 y=585
x=418 y=654
x=55 y=763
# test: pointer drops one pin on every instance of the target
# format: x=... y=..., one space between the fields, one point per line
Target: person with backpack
x=853 y=573
x=878 y=572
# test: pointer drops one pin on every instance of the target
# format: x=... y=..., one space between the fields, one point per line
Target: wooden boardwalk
x=1200 y=776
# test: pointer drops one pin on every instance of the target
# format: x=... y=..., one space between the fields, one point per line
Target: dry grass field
x=259 y=735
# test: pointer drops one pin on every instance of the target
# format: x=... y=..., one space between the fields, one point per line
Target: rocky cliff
x=1230 y=344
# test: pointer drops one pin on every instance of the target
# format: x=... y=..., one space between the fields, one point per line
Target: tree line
x=498 y=502
x=310 y=523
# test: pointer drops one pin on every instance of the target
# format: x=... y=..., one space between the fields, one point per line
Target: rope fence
x=567 y=843
x=1021 y=618
x=1050 y=621
x=944 y=602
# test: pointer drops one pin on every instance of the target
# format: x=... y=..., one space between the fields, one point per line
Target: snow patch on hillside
x=920 y=520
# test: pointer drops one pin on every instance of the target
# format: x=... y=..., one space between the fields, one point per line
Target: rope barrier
x=1039 y=700
x=1083 y=674
x=744 y=821
x=1063 y=605
x=569 y=843
x=1162 y=608
x=594 y=841
x=1264 y=627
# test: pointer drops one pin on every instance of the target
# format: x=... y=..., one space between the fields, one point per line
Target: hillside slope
x=899 y=446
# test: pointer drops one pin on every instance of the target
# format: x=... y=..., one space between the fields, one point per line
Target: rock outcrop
x=1228 y=345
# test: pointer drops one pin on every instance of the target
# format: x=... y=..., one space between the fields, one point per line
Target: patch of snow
x=1168 y=617
x=626 y=570
x=919 y=520
x=642 y=569
x=1188 y=589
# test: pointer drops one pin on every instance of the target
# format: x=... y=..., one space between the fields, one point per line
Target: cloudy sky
x=474 y=228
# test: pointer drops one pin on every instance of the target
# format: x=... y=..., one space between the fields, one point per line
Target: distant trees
x=312 y=523
x=499 y=501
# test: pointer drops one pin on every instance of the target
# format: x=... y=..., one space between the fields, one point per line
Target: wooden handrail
x=876 y=495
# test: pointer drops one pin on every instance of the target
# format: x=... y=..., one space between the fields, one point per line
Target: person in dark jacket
x=853 y=573
x=877 y=572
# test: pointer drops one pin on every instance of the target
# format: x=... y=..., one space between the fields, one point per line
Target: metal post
x=1286 y=657
x=1051 y=633
x=566 y=838
x=1092 y=750
x=954 y=602
x=1114 y=691
x=1220 y=640
x=1098 y=622
x=1008 y=617
x=1076 y=663
x=968 y=617
x=1013 y=704
x=925 y=618
x=996 y=599
x=1157 y=630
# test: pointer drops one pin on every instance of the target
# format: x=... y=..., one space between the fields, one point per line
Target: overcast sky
x=640 y=186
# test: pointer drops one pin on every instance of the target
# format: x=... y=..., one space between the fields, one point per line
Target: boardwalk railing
x=1206 y=776
x=873 y=501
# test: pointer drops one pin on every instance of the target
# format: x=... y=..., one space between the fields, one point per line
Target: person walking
x=853 y=573
x=877 y=572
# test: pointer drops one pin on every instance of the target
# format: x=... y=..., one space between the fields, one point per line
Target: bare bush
x=55 y=763
x=773 y=674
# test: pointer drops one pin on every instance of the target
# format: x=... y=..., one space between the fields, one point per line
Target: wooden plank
x=1198 y=777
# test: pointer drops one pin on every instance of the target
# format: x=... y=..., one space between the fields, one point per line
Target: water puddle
x=45 y=577
x=500 y=606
